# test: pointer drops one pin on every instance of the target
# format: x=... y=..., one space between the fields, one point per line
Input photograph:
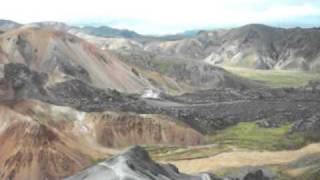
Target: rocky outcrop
x=134 y=164
x=23 y=82
x=313 y=85
x=267 y=123
x=77 y=94
x=256 y=175
x=309 y=127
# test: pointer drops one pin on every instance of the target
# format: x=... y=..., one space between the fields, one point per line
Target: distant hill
x=8 y=25
x=105 y=31
x=254 y=46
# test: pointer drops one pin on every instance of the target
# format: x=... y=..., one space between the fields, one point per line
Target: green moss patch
x=249 y=135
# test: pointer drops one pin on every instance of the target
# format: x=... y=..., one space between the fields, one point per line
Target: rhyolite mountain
x=252 y=46
x=59 y=50
x=63 y=56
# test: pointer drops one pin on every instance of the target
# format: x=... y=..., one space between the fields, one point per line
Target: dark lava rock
x=205 y=111
x=23 y=81
x=309 y=127
x=135 y=164
x=82 y=96
x=257 y=175
x=313 y=85
x=267 y=123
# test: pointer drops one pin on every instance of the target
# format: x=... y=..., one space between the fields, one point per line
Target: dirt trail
x=240 y=158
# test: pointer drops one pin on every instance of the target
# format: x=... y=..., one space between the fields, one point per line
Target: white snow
x=151 y=93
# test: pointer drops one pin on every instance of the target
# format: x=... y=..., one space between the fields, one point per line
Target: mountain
x=254 y=46
x=62 y=56
x=264 y=47
x=6 y=25
x=75 y=57
x=194 y=74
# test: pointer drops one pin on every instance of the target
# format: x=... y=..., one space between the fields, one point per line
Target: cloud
x=162 y=16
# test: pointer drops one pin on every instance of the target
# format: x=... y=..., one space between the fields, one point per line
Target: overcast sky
x=165 y=16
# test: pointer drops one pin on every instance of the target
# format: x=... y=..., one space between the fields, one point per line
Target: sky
x=165 y=16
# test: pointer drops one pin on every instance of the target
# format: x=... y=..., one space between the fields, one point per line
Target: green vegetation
x=246 y=135
x=171 y=153
x=275 y=78
x=250 y=136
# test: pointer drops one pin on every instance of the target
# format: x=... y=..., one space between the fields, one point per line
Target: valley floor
x=275 y=78
x=240 y=158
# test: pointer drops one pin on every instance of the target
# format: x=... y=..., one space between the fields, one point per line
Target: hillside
x=252 y=46
x=64 y=57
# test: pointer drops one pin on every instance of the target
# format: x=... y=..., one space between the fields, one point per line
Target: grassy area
x=275 y=78
x=172 y=153
x=251 y=136
x=245 y=135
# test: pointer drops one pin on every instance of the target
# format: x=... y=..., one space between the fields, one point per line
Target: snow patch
x=151 y=93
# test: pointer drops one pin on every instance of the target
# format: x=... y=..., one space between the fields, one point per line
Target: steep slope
x=63 y=57
x=196 y=75
x=35 y=145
